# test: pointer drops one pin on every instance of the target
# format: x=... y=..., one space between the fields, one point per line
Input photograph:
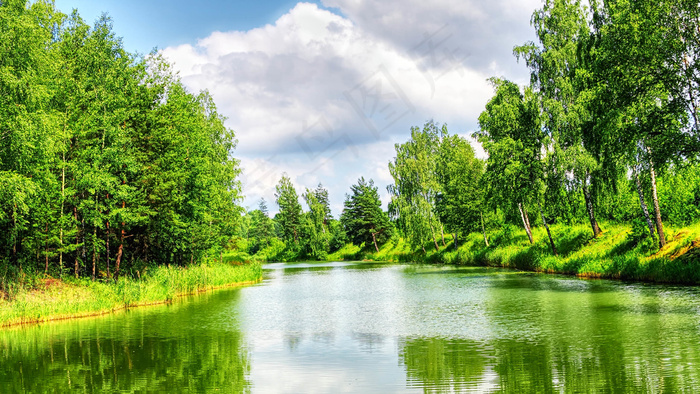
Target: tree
x=102 y=147
x=289 y=216
x=317 y=221
x=261 y=228
x=637 y=58
x=363 y=218
x=415 y=188
x=556 y=73
x=459 y=204
x=510 y=132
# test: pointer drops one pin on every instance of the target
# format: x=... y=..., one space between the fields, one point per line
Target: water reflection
x=446 y=365
x=158 y=349
x=365 y=327
x=553 y=337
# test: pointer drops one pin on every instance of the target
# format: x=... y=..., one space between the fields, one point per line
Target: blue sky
x=323 y=90
x=145 y=24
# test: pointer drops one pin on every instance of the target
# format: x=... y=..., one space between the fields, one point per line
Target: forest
x=606 y=131
x=108 y=164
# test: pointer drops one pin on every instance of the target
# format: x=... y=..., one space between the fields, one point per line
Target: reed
x=44 y=298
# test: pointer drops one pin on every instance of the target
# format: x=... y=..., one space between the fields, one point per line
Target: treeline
x=610 y=116
x=611 y=108
x=294 y=234
x=610 y=113
x=607 y=130
x=106 y=160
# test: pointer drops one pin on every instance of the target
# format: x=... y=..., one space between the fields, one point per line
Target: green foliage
x=459 y=204
x=363 y=219
x=289 y=216
x=511 y=135
x=260 y=230
x=679 y=194
x=315 y=222
x=416 y=187
x=107 y=161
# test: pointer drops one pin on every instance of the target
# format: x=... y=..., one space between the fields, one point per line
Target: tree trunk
x=655 y=199
x=526 y=222
x=16 y=235
x=432 y=232
x=589 y=207
x=690 y=96
x=546 y=226
x=374 y=239
x=483 y=228
x=120 y=251
x=94 y=251
x=109 y=274
x=455 y=240
x=63 y=202
x=423 y=247
x=645 y=211
x=527 y=219
x=77 y=240
x=46 y=249
x=442 y=234
x=119 y=257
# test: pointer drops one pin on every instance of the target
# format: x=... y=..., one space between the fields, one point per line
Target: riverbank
x=39 y=299
x=618 y=253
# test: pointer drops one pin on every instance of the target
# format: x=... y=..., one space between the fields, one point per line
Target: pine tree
x=363 y=218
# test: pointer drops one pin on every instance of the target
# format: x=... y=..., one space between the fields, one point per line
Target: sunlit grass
x=615 y=253
x=45 y=299
x=347 y=252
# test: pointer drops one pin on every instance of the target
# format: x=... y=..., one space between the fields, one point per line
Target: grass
x=615 y=254
x=41 y=299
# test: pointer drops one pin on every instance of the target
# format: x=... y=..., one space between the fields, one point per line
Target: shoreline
x=613 y=255
x=65 y=300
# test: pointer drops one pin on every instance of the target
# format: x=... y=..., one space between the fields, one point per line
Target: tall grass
x=43 y=299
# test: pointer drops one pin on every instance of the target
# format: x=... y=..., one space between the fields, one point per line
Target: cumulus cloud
x=482 y=32
x=323 y=94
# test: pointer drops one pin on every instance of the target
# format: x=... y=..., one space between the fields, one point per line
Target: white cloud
x=323 y=97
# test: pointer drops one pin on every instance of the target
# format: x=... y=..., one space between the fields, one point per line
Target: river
x=384 y=328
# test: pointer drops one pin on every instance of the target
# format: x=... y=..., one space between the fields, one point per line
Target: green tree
x=102 y=147
x=416 y=187
x=289 y=216
x=562 y=27
x=29 y=67
x=510 y=132
x=637 y=59
x=459 y=204
x=317 y=219
x=363 y=218
x=261 y=228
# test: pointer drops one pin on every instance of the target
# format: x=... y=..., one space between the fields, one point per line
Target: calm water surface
x=367 y=327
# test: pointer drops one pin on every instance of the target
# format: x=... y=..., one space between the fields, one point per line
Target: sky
x=323 y=90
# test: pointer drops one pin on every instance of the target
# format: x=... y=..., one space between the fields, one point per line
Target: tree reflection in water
x=157 y=349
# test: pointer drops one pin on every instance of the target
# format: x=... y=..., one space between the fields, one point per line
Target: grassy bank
x=37 y=299
x=618 y=253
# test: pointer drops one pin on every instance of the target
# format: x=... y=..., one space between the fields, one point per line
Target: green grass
x=616 y=253
x=42 y=298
